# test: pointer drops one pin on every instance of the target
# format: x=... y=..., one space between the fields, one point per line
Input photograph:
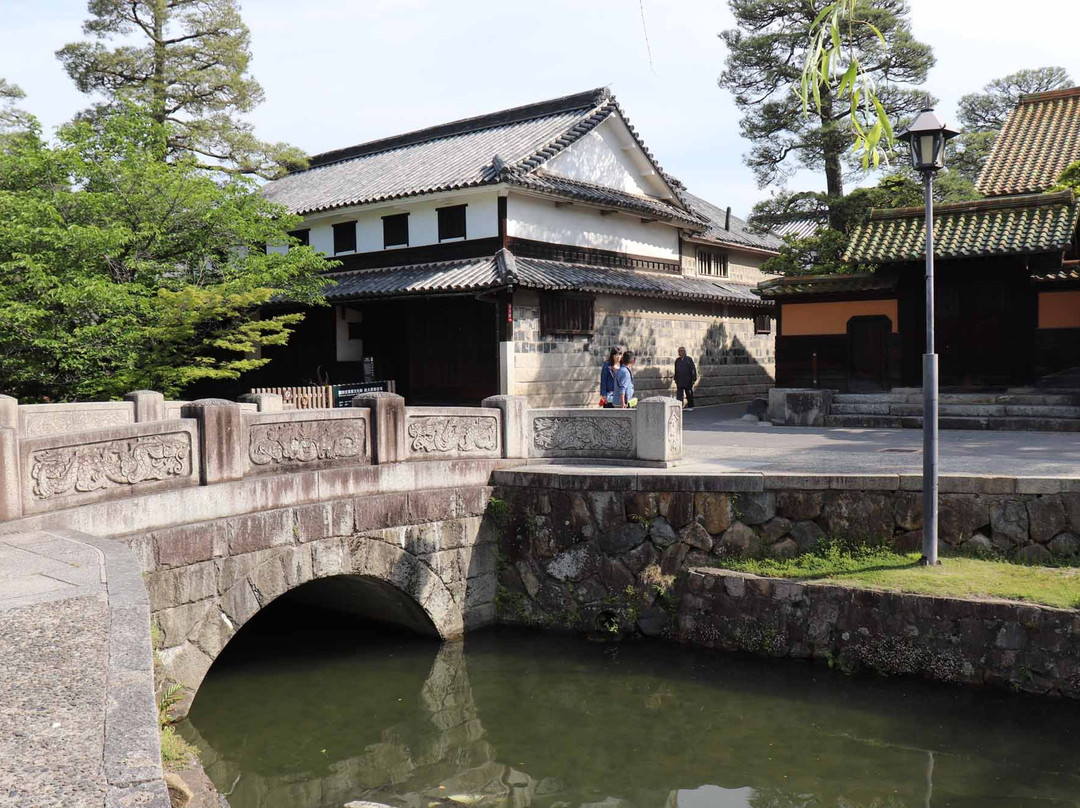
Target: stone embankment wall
x=1028 y=648
x=602 y=553
x=1034 y=520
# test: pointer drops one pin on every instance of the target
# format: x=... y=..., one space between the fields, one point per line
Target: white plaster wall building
x=508 y=252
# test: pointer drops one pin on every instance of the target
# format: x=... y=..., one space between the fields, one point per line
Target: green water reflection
x=511 y=719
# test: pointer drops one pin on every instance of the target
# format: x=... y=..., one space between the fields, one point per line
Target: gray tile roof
x=538 y=274
x=740 y=233
x=798 y=285
x=800 y=228
x=470 y=274
x=505 y=269
x=506 y=146
x=541 y=180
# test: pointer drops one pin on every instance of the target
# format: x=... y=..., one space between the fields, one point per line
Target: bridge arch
x=397 y=575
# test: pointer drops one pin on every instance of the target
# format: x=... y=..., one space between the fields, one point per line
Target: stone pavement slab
x=78 y=724
x=716 y=441
x=41 y=566
x=52 y=677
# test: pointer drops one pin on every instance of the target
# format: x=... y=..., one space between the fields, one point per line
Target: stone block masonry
x=779 y=515
x=632 y=553
x=734 y=363
x=421 y=558
x=1035 y=649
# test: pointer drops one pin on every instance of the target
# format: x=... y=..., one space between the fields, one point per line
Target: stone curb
x=614 y=480
x=132 y=757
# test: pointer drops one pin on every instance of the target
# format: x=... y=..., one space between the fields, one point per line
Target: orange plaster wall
x=1059 y=309
x=804 y=319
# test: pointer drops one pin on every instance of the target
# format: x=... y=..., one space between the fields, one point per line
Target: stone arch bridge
x=377 y=508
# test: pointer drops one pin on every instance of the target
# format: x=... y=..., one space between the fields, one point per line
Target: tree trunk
x=832 y=144
x=157 y=88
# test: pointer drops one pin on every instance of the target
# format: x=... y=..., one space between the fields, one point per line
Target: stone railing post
x=659 y=429
x=221 y=439
x=387 y=426
x=10 y=481
x=9 y=412
x=515 y=423
x=149 y=405
x=266 y=402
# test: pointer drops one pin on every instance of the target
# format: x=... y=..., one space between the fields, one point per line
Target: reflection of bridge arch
x=442 y=743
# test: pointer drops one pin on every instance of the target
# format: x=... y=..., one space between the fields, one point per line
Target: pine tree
x=981 y=115
x=766 y=56
x=12 y=119
x=187 y=62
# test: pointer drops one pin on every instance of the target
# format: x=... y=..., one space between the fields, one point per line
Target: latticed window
x=762 y=324
x=566 y=314
x=712 y=263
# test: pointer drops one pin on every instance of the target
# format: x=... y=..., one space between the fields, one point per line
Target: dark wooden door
x=984 y=326
x=868 y=346
x=453 y=351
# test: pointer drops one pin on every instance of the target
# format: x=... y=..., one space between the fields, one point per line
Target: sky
x=340 y=72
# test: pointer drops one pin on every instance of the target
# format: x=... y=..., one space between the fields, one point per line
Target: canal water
x=294 y=717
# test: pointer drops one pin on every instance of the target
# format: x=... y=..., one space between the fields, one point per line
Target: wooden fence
x=302 y=398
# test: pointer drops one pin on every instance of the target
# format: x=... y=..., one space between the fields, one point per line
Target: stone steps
x=959 y=410
x=1034 y=421
x=1064 y=398
x=1021 y=408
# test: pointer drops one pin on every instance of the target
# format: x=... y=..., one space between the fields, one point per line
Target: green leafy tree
x=119 y=271
x=1069 y=179
x=981 y=115
x=186 y=61
x=857 y=59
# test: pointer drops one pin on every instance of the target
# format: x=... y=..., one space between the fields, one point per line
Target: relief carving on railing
x=306 y=441
x=95 y=466
x=453 y=433
x=584 y=434
x=674 y=431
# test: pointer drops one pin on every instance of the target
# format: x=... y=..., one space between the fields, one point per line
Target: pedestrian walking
x=608 y=373
x=685 y=376
x=624 y=382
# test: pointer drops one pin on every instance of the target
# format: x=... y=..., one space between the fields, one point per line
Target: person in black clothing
x=685 y=376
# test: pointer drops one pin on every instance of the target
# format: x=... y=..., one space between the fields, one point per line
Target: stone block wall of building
x=742 y=267
x=734 y=363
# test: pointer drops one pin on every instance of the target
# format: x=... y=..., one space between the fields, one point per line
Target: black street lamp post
x=927 y=136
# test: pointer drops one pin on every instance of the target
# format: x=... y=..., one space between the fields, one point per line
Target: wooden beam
x=563 y=204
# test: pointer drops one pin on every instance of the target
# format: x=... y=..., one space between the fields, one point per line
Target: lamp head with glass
x=926 y=137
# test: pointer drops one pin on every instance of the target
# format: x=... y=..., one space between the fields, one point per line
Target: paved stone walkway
x=54 y=636
x=74 y=720
x=715 y=440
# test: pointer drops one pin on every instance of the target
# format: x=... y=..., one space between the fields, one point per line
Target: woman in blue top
x=624 y=381
x=608 y=390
